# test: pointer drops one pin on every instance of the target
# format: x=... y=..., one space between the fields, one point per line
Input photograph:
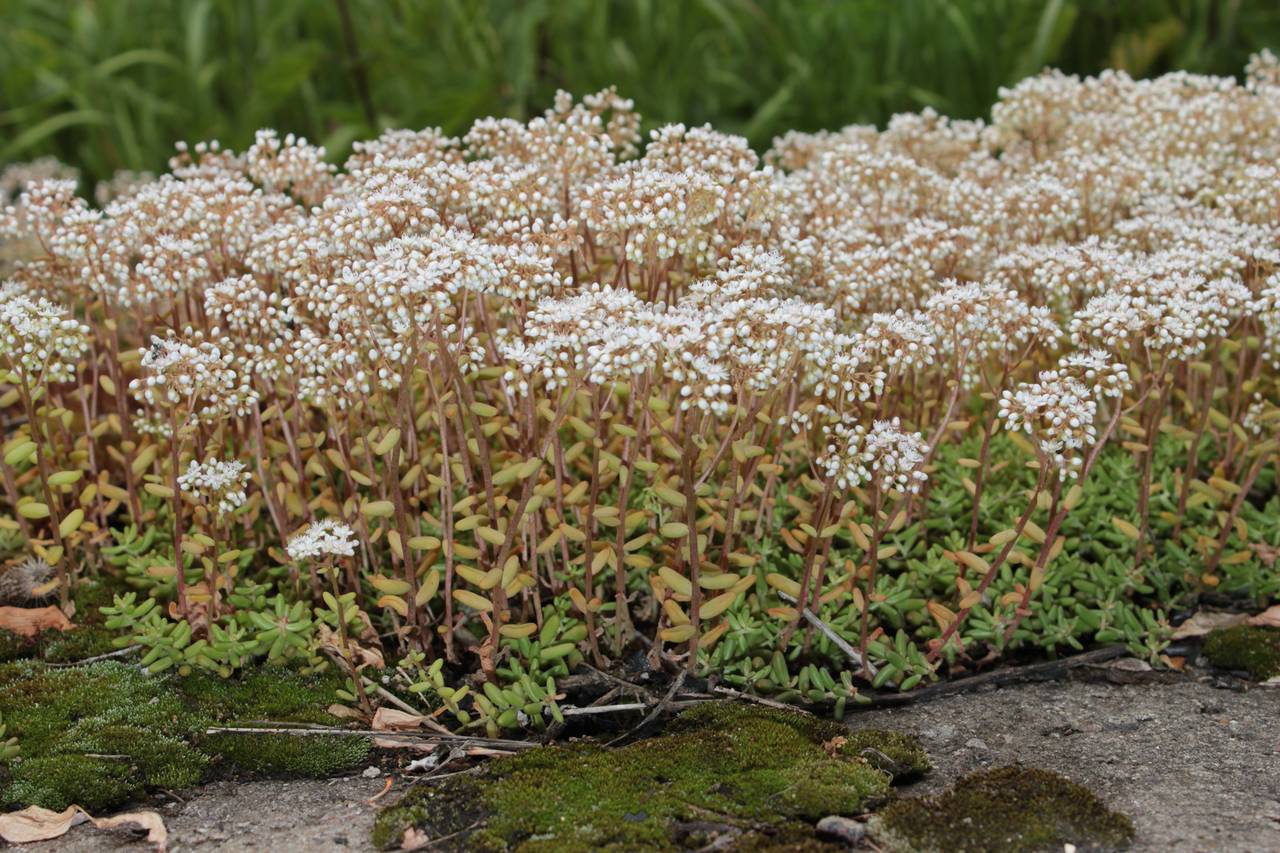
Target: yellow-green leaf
x=71 y=523
x=470 y=599
x=378 y=509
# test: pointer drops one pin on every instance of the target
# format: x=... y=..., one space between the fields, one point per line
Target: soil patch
x=1195 y=768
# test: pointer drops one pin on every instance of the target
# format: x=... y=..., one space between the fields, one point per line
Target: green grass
x=112 y=85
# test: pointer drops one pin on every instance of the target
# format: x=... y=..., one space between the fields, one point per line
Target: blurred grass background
x=111 y=84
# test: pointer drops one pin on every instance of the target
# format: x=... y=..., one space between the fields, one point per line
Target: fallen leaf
x=343 y=711
x=37 y=824
x=1204 y=622
x=1269 y=617
x=414 y=839
x=330 y=641
x=148 y=822
x=29 y=621
x=395 y=720
x=832 y=746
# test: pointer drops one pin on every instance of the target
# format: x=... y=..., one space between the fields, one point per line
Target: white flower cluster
x=895 y=457
x=654 y=214
x=902 y=341
x=886 y=455
x=39 y=340
x=1096 y=369
x=327 y=537
x=198 y=379
x=220 y=482
x=1058 y=413
x=289 y=165
x=843 y=459
x=601 y=333
x=1107 y=228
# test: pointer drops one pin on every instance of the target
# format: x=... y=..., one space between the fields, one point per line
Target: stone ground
x=1195 y=766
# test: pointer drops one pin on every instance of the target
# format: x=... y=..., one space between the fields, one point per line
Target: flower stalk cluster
x=465 y=379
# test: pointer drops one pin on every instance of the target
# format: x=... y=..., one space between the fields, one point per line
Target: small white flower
x=325 y=538
x=222 y=483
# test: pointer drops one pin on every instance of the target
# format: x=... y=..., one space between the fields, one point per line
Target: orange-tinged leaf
x=394 y=602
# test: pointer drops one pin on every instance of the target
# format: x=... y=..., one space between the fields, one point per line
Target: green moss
x=1248 y=648
x=90 y=596
x=58 y=781
x=453 y=808
x=288 y=756
x=899 y=755
x=102 y=734
x=712 y=715
x=264 y=693
x=745 y=766
x=1006 y=810
x=96 y=735
x=77 y=644
x=14 y=647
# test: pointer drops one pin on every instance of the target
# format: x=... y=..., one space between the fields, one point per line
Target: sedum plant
x=877 y=407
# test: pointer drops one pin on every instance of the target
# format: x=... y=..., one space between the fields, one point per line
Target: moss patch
x=283 y=755
x=899 y=755
x=1248 y=648
x=14 y=647
x=82 y=642
x=103 y=734
x=760 y=771
x=95 y=735
x=1006 y=810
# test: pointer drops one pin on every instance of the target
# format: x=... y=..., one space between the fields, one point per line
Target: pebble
x=844 y=829
x=977 y=743
x=371 y=773
x=940 y=732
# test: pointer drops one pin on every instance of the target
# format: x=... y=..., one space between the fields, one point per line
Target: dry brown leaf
x=1269 y=617
x=344 y=712
x=1204 y=622
x=149 y=822
x=330 y=641
x=414 y=839
x=395 y=720
x=29 y=621
x=832 y=746
x=37 y=824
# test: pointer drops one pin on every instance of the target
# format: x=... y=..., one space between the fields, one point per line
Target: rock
x=371 y=773
x=942 y=732
x=977 y=743
x=844 y=829
x=1121 y=724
